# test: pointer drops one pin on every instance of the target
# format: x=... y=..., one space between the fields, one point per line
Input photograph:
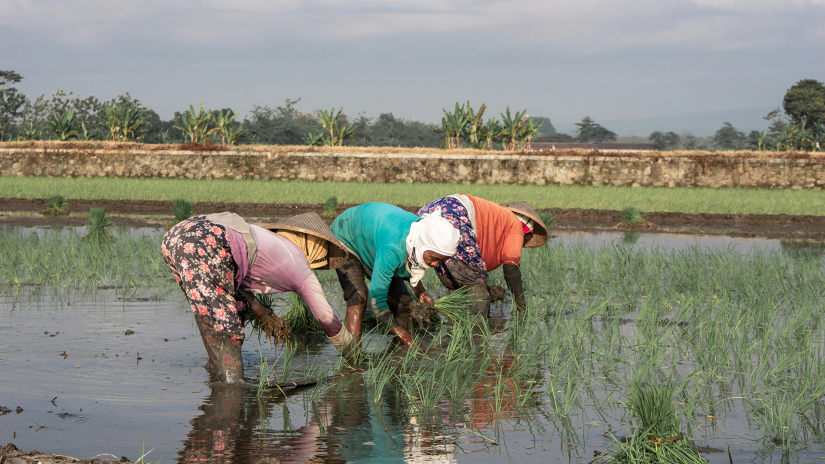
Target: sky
x=563 y=59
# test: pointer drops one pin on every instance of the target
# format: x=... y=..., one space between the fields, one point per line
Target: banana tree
x=124 y=122
x=195 y=125
x=315 y=140
x=452 y=126
x=473 y=132
x=511 y=132
x=30 y=133
x=86 y=134
x=233 y=133
x=223 y=123
x=329 y=121
x=491 y=132
x=528 y=131
x=345 y=133
x=64 y=128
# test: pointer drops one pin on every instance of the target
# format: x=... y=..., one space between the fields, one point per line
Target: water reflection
x=343 y=425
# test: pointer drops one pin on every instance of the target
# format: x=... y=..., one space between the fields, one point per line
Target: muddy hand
x=421 y=314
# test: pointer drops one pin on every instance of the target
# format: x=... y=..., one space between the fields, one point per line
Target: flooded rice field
x=101 y=354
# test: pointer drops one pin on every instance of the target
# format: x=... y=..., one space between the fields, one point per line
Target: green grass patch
x=646 y=199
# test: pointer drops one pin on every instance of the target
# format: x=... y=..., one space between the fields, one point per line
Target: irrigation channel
x=101 y=353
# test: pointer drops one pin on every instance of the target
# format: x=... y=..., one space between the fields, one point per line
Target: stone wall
x=710 y=171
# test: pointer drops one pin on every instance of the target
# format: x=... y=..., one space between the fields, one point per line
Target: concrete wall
x=707 y=171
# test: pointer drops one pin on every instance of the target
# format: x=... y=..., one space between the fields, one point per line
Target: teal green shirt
x=377 y=232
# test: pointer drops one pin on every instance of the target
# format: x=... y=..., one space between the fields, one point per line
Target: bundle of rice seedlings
x=182 y=210
x=631 y=216
x=57 y=206
x=98 y=224
x=299 y=317
x=331 y=206
x=632 y=219
x=657 y=438
x=455 y=305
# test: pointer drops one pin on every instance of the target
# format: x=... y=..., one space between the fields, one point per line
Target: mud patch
x=11 y=455
x=735 y=225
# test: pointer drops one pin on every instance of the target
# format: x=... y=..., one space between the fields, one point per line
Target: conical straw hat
x=539 y=235
x=312 y=224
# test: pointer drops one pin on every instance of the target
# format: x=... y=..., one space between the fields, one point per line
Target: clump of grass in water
x=631 y=216
x=331 y=206
x=657 y=438
x=57 y=203
x=98 y=225
x=182 y=210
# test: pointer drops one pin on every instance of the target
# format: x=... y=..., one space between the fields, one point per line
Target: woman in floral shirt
x=220 y=261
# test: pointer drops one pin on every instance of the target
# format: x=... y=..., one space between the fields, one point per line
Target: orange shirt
x=499 y=232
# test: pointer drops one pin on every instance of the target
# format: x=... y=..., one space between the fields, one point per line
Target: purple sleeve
x=313 y=294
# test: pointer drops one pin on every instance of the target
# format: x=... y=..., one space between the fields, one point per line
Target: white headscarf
x=528 y=223
x=431 y=233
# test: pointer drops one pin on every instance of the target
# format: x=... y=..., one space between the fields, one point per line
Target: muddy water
x=86 y=388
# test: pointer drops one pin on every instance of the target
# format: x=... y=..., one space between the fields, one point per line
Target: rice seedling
x=299 y=317
x=331 y=206
x=98 y=227
x=631 y=216
x=57 y=203
x=657 y=438
x=182 y=210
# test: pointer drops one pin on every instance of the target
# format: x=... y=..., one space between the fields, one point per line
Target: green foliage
x=11 y=100
x=729 y=138
x=631 y=215
x=65 y=128
x=98 y=227
x=804 y=102
x=793 y=137
x=30 y=133
x=590 y=132
x=337 y=127
x=331 y=206
x=664 y=141
x=512 y=128
x=473 y=133
x=195 y=124
x=57 y=203
x=125 y=122
x=299 y=317
x=226 y=127
x=657 y=438
x=452 y=126
x=182 y=210
x=491 y=132
x=315 y=140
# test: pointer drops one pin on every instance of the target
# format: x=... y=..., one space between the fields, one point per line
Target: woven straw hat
x=312 y=224
x=539 y=235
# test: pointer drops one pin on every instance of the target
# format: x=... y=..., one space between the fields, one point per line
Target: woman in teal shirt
x=390 y=246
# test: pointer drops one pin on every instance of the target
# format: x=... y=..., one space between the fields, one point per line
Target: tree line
x=798 y=125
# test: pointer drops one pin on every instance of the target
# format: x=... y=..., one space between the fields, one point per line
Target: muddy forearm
x=512 y=275
x=254 y=304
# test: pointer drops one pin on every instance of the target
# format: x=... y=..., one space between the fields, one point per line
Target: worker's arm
x=422 y=294
x=254 y=304
x=512 y=275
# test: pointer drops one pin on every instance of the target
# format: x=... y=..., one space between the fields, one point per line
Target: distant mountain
x=700 y=124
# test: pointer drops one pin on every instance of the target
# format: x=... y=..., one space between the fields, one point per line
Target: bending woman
x=491 y=236
x=220 y=261
x=389 y=246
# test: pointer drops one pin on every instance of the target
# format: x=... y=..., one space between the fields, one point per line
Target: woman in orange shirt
x=491 y=236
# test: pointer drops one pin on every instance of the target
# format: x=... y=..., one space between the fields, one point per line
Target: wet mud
x=145 y=213
x=9 y=454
